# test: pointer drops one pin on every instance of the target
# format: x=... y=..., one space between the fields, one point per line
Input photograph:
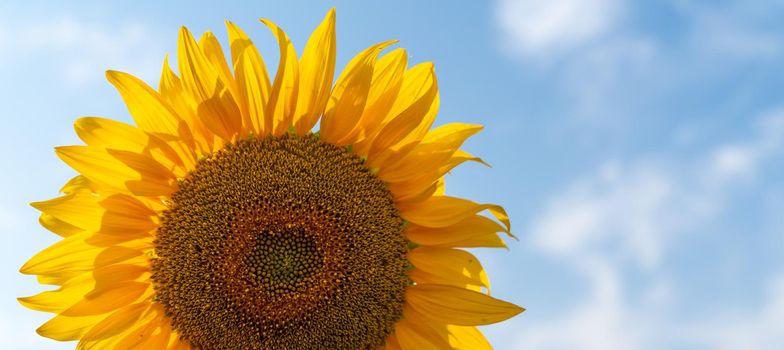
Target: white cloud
x=731 y=161
x=537 y=27
x=79 y=49
x=629 y=215
x=594 y=55
x=627 y=206
x=734 y=30
x=734 y=161
x=758 y=329
x=600 y=322
x=584 y=47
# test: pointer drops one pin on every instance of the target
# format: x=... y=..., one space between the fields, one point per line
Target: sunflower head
x=220 y=220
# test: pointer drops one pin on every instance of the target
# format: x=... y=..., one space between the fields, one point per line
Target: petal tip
x=41 y=331
x=519 y=310
x=60 y=150
x=35 y=205
x=24 y=301
x=184 y=33
x=111 y=74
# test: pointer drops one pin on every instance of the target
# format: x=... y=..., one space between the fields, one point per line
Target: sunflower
x=222 y=221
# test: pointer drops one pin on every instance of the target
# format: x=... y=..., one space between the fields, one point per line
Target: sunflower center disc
x=281 y=243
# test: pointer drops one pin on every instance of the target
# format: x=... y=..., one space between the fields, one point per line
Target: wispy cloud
x=758 y=328
x=76 y=47
x=732 y=161
x=534 y=27
x=640 y=205
x=599 y=320
x=582 y=46
x=627 y=216
x=596 y=55
x=627 y=205
x=737 y=29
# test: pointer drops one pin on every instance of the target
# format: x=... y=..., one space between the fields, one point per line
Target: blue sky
x=638 y=146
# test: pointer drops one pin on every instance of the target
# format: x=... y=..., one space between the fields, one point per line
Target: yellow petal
x=118 y=322
x=417 y=337
x=441 y=211
x=59 y=279
x=414 y=111
x=415 y=332
x=139 y=335
x=416 y=135
x=253 y=81
x=347 y=103
x=467 y=338
x=105 y=300
x=64 y=328
x=116 y=214
x=77 y=183
x=126 y=215
x=144 y=104
x=412 y=189
x=214 y=54
x=177 y=343
x=77 y=284
x=152 y=115
x=62 y=298
x=120 y=170
x=500 y=213
x=447 y=266
x=112 y=275
x=470 y=229
x=440 y=187
x=110 y=134
x=485 y=241
x=436 y=188
x=283 y=96
x=391 y=344
x=79 y=209
x=453 y=305
x=215 y=105
x=161 y=337
x=58 y=226
x=240 y=42
x=194 y=133
x=251 y=86
x=75 y=254
x=387 y=80
x=151 y=333
x=435 y=150
x=107 y=133
x=317 y=68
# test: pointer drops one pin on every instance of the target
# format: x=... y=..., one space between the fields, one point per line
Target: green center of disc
x=283 y=261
